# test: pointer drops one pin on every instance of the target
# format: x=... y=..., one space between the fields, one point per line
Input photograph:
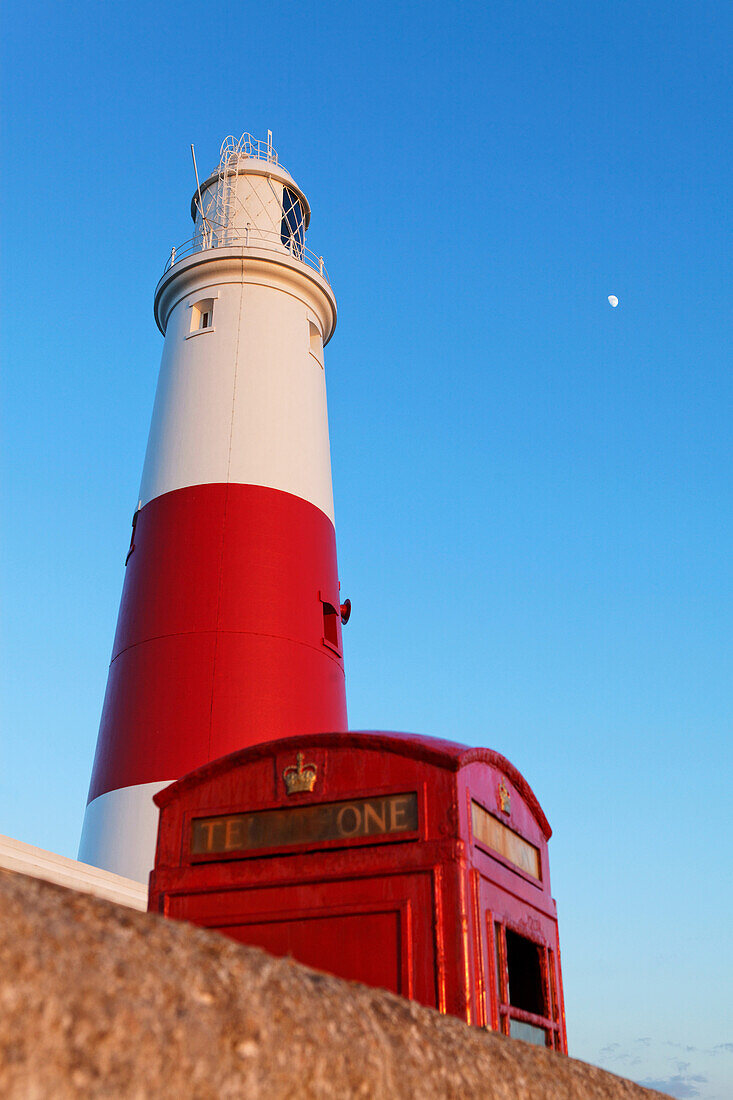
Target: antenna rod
x=198 y=185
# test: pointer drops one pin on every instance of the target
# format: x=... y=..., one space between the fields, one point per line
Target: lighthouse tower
x=229 y=630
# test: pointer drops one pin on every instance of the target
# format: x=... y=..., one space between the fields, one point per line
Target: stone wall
x=101 y=1001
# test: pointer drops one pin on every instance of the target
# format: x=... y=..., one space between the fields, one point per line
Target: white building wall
x=244 y=400
x=25 y=859
x=121 y=830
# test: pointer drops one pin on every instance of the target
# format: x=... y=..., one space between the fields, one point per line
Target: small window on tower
x=316 y=342
x=202 y=316
x=331 y=617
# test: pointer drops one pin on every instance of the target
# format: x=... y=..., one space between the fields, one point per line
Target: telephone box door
x=373 y=930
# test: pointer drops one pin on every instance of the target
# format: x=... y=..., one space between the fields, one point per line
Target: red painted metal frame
x=426 y=903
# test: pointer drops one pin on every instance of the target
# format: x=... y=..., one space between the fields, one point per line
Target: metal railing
x=268 y=240
x=248 y=146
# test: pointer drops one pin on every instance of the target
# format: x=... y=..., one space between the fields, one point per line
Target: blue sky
x=533 y=490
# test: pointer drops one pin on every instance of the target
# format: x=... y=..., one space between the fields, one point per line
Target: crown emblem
x=505 y=802
x=299 y=776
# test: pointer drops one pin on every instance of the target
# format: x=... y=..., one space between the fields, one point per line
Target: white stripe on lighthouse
x=244 y=400
x=121 y=829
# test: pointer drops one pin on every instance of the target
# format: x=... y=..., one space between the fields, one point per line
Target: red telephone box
x=404 y=862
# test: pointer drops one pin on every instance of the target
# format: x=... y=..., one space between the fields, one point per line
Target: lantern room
x=404 y=862
x=250 y=199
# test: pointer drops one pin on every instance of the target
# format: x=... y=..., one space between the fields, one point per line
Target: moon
x=613 y=300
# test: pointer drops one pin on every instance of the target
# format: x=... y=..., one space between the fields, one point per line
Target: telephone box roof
x=450 y=755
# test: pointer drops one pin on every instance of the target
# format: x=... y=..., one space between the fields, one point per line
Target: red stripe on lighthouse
x=220 y=638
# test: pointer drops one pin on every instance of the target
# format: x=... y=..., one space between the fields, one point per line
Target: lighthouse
x=229 y=629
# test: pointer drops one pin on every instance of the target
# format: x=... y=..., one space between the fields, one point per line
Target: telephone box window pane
x=526 y=987
x=528 y=1032
x=501 y=991
x=553 y=989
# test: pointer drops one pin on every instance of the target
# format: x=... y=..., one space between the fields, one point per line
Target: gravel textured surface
x=100 y=1001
